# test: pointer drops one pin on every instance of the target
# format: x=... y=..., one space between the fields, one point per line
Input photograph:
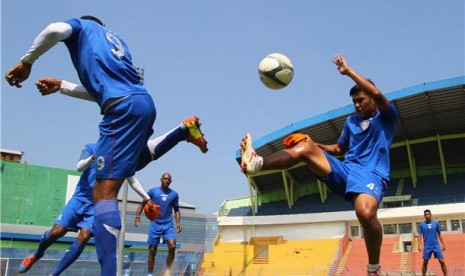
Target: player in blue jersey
x=363 y=175
x=429 y=233
x=103 y=63
x=156 y=147
x=162 y=227
x=78 y=214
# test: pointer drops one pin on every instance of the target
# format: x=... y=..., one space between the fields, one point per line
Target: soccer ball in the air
x=276 y=71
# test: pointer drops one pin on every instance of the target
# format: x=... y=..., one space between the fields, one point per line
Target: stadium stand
x=291 y=224
x=271 y=256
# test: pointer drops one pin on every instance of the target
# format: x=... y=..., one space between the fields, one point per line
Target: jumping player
x=363 y=175
x=155 y=148
x=103 y=63
x=429 y=232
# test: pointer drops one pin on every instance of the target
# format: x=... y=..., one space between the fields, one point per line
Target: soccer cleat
x=27 y=263
x=195 y=135
x=376 y=272
x=250 y=161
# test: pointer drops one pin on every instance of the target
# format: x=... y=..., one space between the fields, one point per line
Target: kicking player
x=429 y=232
x=103 y=63
x=363 y=175
x=155 y=148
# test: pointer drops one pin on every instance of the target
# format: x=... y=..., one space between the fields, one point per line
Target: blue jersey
x=369 y=140
x=102 y=61
x=430 y=231
x=168 y=200
x=85 y=185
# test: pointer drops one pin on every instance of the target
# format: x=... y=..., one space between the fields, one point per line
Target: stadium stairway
x=342 y=262
x=357 y=258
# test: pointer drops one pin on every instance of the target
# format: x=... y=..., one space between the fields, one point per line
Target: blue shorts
x=77 y=214
x=124 y=132
x=437 y=251
x=158 y=230
x=348 y=180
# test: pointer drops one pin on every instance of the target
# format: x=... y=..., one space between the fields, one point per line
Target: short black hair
x=356 y=88
x=93 y=18
x=426 y=211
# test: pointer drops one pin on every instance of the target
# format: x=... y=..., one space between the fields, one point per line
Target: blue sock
x=157 y=147
x=107 y=223
x=45 y=242
x=73 y=252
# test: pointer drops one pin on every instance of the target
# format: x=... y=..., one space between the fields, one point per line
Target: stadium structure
x=290 y=223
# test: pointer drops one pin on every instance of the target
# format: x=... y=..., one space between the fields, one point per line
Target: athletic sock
x=45 y=242
x=107 y=223
x=374 y=267
x=73 y=252
x=157 y=147
x=162 y=144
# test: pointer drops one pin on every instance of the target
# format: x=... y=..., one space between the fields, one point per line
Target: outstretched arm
x=365 y=85
x=50 y=36
x=47 y=86
x=137 y=187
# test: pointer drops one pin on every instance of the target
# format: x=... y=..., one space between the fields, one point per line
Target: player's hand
x=48 y=86
x=419 y=248
x=149 y=202
x=341 y=64
x=179 y=227
x=19 y=73
x=137 y=221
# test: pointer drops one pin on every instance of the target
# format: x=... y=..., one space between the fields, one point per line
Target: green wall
x=32 y=195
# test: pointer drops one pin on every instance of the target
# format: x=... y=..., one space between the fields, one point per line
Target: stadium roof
x=430 y=134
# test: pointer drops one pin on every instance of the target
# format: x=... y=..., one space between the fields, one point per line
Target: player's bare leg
x=170 y=257
x=443 y=267
x=151 y=259
x=366 y=207
x=305 y=151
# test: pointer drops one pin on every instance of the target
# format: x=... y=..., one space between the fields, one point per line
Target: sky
x=201 y=58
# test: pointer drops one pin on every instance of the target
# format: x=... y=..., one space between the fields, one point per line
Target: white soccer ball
x=276 y=71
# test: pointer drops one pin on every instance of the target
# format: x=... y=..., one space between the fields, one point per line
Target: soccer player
x=429 y=232
x=78 y=214
x=155 y=148
x=103 y=63
x=363 y=175
x=168 y=200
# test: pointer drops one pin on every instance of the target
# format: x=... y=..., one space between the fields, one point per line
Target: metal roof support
x=292 y=186
x=322 y=189
x=286 y=189
x=443 y=162
x=411 y=161
x=253 y=197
